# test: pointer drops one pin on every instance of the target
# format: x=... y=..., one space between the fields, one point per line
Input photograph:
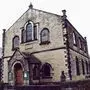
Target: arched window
x=83 y=67
x=29 y=32
x=86 y=67
x=85 y=46
x=46 y=70
x=15 y=42
x=77 y=66
x=44 y=35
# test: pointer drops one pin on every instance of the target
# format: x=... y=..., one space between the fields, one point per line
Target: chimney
x=64 y=14
x=85 y=37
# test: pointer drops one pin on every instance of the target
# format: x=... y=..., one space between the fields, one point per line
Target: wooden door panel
x=19 y=77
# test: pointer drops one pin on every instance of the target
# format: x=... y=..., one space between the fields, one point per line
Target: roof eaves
x=75 y=29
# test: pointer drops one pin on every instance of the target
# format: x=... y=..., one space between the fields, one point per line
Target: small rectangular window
x=23 y=36
x=74 y=38
x=79 y=43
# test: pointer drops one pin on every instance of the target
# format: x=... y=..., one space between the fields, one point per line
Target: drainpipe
x=3 y=48
x=3 y=42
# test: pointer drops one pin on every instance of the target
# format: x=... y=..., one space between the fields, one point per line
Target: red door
x=18 y=74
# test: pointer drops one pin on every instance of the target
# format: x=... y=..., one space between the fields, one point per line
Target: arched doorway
x=18 y=74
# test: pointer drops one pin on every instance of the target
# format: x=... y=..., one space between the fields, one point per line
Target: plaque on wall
x=26 y=75
x=10 y=76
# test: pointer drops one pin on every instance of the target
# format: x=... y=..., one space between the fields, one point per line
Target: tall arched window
x=77 y=66
x=44 y=35
x=86 y=67
x=29 y=32
x=83 y=67
x=46 y=70
x=15 y=42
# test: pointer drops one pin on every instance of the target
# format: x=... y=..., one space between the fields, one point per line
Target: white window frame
x=32 y=29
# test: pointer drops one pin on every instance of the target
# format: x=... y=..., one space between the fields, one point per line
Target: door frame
x=14 y=72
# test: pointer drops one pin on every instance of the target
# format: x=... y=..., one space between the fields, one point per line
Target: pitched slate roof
x=31 y=58
x=27 y=56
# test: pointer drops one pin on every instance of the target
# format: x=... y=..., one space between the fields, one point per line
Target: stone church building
x=39 y=46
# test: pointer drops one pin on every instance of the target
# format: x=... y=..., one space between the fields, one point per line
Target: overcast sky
x=78 y=13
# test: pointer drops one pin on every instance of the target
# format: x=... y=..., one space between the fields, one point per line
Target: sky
x=78 y=13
